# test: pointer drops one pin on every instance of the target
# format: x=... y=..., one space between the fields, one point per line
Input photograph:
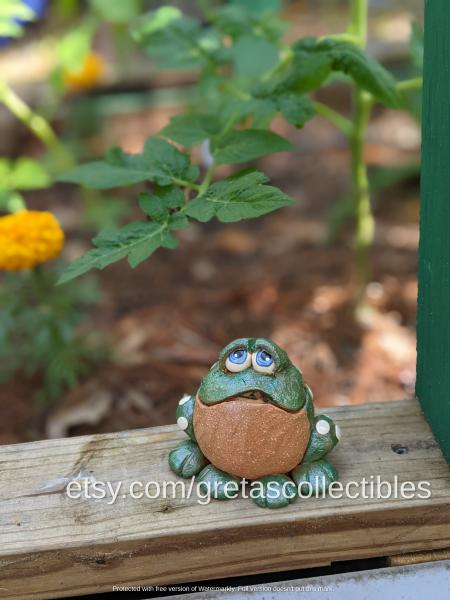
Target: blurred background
x=117 y=349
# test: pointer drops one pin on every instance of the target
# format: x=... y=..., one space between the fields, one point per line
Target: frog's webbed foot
x=273 y=491
x=314 y=477
x=217 y=484
x=187 y=459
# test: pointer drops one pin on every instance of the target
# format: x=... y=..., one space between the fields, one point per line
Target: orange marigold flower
x=88 y=75
x=29 y=238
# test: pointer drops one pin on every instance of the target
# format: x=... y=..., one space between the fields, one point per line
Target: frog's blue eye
x=238 y=357
x=263 y=358
x=263 y=362
x=238 y=360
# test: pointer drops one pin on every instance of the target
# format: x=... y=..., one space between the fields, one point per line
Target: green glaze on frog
x=253 y=418
x=284 y=387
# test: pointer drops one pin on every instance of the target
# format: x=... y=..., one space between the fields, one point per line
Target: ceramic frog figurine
x=253 y=418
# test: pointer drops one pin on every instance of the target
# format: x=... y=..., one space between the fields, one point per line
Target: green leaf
x=252 y=56
x=29 y=174
x=160 y=162
x=295 y=108
x=261 y=6
x=247 y=144
x=101 y=175
x=189 y=130
x=137 y=241
x=153 y=206
x=23 y=174
x=73 y=48
x=236 y=21
x=347 y=58
x=11 y=201
x=158 y=205
x=10 y=12
x=10 y=29
x=177 y=41
x=302 y=74
x=116 y=12
x=166 y=163
x=237 y=198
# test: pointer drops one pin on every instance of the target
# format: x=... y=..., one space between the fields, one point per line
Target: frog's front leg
x=273 y=491
x=315 y=474
x=187 y=459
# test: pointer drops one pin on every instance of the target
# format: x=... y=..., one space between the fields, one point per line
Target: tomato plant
x=247 y=76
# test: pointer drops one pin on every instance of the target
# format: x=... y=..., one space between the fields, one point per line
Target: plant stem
x=207 y=179
x=362 y=104
x=35 y=123
x=410 y=84
x=187 y=184
x=344 y=125
x=359 y=18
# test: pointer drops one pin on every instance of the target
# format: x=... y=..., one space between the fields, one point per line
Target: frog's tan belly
x=249 y=439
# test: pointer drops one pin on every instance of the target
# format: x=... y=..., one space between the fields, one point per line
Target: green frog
x=253 y=419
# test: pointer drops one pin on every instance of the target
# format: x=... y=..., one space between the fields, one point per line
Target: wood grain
x=433 y=322
x=54 y=546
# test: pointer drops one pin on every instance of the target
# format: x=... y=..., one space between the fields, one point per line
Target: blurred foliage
x=247 y=76
x=15 y=14
x=383 y=178
x=38 y=330
x=16 y=176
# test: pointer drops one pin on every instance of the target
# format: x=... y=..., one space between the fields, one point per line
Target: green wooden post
x=433 y=323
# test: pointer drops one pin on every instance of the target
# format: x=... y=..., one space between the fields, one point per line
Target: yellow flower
x=88 y=75
x=29 y=238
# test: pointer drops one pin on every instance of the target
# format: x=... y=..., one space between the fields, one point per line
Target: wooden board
x=433 y=323
x=51 y=545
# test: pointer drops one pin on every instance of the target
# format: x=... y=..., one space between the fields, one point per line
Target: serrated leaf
x=348 y=58
x=189 y=130
x=158 y=205
x=295 y=108
x=237 y=198
x=160 y=162
x=137 y=241
x=166 y=163
x=247 y=144
x=178 y=221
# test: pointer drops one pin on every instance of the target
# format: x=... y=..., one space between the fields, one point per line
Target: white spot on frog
x=184 y=399
x=322 y=427
x=182 y=423
x=338 y=432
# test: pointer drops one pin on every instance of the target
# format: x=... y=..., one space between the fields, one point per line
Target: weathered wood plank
x=51 y=545
x=433 y=322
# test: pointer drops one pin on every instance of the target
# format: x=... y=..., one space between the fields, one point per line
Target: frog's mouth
x=252 y=397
